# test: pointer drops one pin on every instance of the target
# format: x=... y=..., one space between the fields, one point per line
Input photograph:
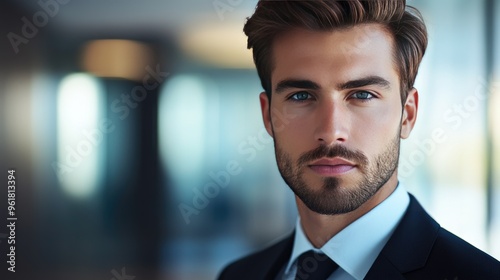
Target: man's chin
x=328 y=208
x=332 y=197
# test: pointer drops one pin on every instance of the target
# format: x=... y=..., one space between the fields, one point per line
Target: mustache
x=331 y=152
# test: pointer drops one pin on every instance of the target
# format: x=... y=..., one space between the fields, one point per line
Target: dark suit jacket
x=418 y=249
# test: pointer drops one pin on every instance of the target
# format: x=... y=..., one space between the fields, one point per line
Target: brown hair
x=272 y=18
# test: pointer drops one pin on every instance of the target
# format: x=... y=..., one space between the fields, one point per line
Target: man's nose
x=333 y=123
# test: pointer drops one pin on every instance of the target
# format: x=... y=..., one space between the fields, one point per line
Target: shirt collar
x=356 y=247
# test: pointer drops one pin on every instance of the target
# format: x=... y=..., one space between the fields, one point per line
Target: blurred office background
x=135 y=131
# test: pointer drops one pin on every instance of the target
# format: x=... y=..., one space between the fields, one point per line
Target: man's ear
x=266 y=117
x=409 y=113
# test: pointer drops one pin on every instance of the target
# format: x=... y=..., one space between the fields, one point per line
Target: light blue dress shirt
x=356 y=247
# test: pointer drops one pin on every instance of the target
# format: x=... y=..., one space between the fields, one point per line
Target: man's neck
x=320 y=228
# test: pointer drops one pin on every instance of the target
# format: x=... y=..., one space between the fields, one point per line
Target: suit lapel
x=277 y=256
x=383 y=268
x=409 y=245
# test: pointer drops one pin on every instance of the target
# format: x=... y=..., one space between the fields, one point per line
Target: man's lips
x=331 y=166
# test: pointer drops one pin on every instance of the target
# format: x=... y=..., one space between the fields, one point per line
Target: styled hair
x=404 y=23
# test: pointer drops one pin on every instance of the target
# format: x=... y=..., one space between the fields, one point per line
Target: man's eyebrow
x=295 y=83
x=365 y=81
x=308 y=84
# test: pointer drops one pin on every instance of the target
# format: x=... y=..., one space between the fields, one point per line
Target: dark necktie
x=314 y=266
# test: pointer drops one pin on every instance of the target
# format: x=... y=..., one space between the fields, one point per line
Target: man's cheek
x=284 y=116
x=278 y=125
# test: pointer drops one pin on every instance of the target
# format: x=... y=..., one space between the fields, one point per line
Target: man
x=342 y=72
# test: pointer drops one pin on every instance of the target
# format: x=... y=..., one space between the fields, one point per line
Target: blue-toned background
x=135 y=131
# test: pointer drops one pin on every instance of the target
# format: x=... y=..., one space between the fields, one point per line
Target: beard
x=331 y=198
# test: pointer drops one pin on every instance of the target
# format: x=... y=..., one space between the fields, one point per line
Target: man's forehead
x=346 y=54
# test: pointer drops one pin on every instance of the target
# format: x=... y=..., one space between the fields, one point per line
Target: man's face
x=336 y=115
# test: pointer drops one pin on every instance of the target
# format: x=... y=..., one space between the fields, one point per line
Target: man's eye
x=364 y=95
x=300 y=96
